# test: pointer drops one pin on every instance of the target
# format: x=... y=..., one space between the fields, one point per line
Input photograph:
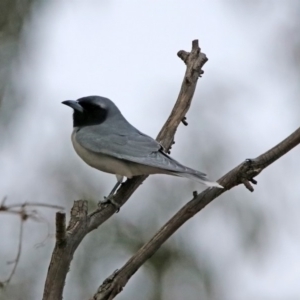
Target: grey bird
x=105 y=140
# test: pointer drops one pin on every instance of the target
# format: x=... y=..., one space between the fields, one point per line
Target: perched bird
x=105 y=140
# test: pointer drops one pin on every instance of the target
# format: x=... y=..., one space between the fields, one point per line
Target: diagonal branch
x=81 y=223
x=194 y=62
x=243 y=173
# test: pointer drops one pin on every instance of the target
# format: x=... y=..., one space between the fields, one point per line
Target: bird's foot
x=110 y=200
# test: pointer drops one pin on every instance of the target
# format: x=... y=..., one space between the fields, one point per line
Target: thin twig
x=21 y=206
x=15 y=262
x=20 y=209
x=37 y=204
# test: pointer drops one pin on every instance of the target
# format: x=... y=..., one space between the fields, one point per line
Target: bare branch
x=63 y=254
x=21 y=208
x=37 y=204
x=243 y=173
x=194 y=61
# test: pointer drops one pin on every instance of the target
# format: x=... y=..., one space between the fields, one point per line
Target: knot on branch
x=248 y=170
x=183 y=55
x=110 y=287
x=79 y=213
x=184 y=121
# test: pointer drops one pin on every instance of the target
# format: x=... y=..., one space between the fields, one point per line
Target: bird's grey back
x=121 y=140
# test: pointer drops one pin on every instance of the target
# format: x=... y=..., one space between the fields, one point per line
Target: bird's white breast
x=100 y=161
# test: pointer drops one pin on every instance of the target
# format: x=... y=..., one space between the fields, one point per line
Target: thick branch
x=63 y=252
x=241 y=174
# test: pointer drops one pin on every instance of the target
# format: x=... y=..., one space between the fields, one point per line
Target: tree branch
x=82 y=224
x=243 y=173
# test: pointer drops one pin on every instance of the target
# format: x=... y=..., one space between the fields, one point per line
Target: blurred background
x=243 y=245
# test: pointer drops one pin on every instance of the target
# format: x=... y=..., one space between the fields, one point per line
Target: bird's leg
x=110 y=197
x=114 y=189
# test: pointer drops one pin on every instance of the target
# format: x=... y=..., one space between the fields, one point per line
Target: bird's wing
x=120 y=144
x=135 y=146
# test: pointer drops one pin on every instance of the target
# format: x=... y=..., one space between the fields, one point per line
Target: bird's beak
x=74 y=104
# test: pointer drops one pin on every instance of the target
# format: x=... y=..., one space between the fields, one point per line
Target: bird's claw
x=110 y=200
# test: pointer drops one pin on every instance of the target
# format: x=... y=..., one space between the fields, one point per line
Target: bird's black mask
x=86 y=113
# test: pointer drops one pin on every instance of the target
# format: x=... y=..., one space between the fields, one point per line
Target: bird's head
x=91 y=110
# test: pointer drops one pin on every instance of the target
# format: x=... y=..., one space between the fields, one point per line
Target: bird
x=106 y=141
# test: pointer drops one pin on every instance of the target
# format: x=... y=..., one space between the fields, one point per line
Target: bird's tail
x=198 y=176
x=177 y=169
